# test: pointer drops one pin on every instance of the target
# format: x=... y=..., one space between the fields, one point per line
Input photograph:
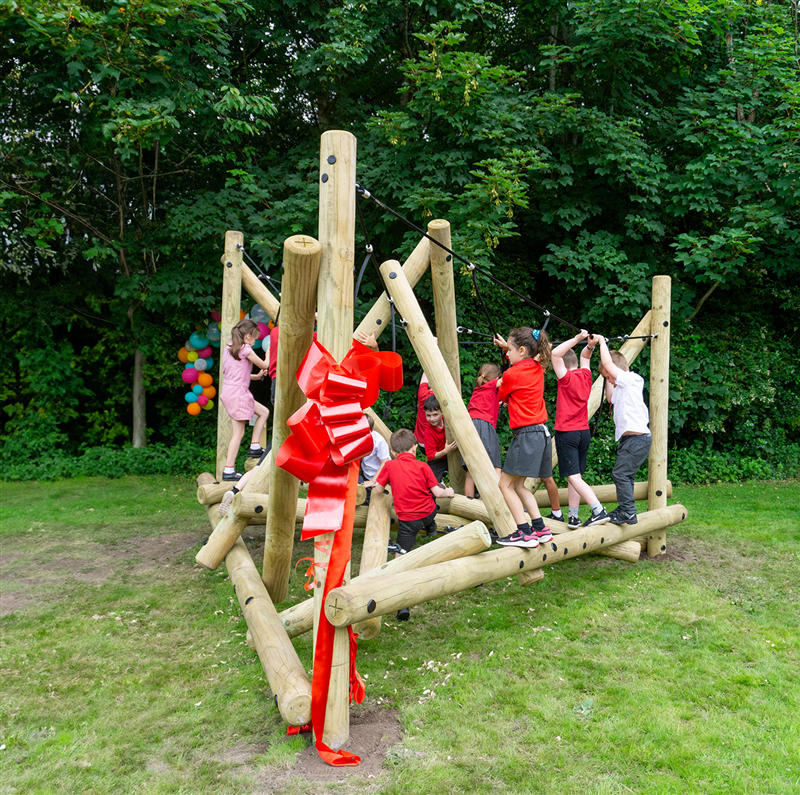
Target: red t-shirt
x=572 y=409
x=434 y=440
x=523 y=389
x=273 y=352
x=484 y=403
x=423 y=392
x=411 y=481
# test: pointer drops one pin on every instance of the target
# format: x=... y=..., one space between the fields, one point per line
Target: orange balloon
x=242 y=314
x=205 y=379
x=194 y=409
x=183 y=355
x=270 y=325
x=210 y=392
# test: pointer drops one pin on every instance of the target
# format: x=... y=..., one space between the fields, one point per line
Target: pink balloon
x=216 y=316
x=205 y=353
x=263 y=330
x=190 y=375
x=202 y=400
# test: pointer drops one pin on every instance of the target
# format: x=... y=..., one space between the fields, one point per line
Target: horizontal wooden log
x=212 y=491
x=469 y=540
x=368 y=599
x=285 y=673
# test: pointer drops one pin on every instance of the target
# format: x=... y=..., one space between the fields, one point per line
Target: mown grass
x=125 y=667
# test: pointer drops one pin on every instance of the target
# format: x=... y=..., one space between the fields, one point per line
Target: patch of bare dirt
x=32 y=565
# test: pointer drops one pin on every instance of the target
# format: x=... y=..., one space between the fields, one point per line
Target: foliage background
x=577 y=150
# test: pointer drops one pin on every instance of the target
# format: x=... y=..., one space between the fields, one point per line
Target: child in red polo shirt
x=572 y=426
x=529 y=454
x=424 y=391
x=436 y=446
x=414 y=487
x=483 y=408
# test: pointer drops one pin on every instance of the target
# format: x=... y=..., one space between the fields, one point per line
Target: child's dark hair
x=402 y=440
x=487 y=372
x=536 y=343
x=570 y=359
x=243 y=327
x=431 y=404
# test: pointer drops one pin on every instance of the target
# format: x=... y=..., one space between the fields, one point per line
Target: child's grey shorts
x=488 y=437
x=530 y=454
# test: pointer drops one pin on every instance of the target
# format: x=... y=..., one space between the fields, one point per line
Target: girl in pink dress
x=237 y=365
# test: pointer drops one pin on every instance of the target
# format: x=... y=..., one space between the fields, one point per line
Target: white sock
x=557 y=513
x=573 y=512
x=229 y=469
x=596 y=507
x=254 y=445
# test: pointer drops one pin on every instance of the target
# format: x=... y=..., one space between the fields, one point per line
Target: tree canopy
x=577 y=149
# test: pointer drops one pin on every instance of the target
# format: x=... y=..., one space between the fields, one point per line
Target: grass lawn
x=124 y=666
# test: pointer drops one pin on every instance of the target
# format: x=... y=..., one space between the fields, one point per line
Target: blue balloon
x=256 y=344
x=191 y=397
x=209 y=363
x=215 y=343
x=198 y=341
x=189 y=366
x=197 y=389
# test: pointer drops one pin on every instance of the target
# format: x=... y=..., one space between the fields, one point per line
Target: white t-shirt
x=371 y=462
x=630 y=410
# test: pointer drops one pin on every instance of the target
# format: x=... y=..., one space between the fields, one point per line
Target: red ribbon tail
x=337 y=758
x=292 y=730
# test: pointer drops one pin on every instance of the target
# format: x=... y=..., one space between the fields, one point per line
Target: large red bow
x=330 y=430
x=328 y=435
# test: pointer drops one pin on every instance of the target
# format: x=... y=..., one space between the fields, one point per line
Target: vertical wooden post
x=301 y=258
x=337 y=228
x=659 y=408
x=453 y=408
x=374 y=552
x=444 y=303
x=231 y=308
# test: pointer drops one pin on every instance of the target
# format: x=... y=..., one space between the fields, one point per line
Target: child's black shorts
x=572 y=448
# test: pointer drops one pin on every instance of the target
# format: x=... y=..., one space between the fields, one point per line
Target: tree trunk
x=139 y=417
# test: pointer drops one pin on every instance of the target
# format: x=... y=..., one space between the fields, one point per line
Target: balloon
x=191 y=397
x=258 y=314
x=192 y=356
x=262 y=330
x=202 y=400
x=209 y=363
x=197 y=389
x=188 y=345
x=190 y=375
x=256 y=344
x=205 y=379
x=210 y=391
x=208 y=406
x=194 y=409
x=201 y=364
x=214 y=332
x=205 y=353
x=215 y=343
x=242 y=314
x=188 y=366
x=183 y=355
x=270 y=325
x=216 y=316
x=198 y=341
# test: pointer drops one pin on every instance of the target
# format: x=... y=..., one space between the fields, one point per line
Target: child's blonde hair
x=619 y=360
x=536 y=343
x=487 y=372
x=243 y=327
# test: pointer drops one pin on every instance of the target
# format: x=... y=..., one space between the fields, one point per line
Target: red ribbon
x=329 y=435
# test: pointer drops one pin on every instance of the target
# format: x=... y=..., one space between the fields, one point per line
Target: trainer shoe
x=431 y=533
x=225 y=505
x=618 y=516
x=520 y=538
x=573 y=522
x=554 y=518
x=597 y=518
x=396 y=549
x=544 y=535
x=231 y=475
x=256 y=452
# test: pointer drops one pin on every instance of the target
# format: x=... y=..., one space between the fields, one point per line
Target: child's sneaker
x=225 y=505
x=544 y=535
x=573 y=522
x=597 y=518
x=431 y=532
x=554 y=518
x=396 y=549
x=256 y=452
x=618 y=516
x=231 y=475
x=520 y=538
